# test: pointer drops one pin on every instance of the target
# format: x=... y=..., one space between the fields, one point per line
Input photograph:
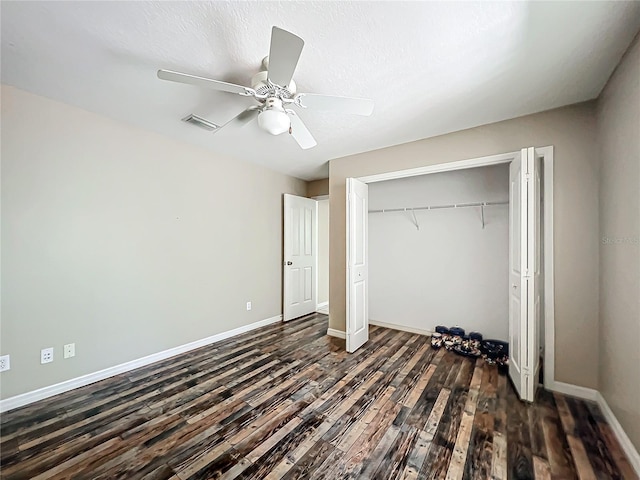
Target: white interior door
x=300 y=256
x=517 y=260
x=534 y=294
x=524 y=272
x=357 y=332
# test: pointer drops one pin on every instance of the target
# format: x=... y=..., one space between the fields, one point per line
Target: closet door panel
x=357 y=331
x=517 y=280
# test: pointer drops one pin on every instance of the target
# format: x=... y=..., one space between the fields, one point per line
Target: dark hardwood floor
x=286 y=401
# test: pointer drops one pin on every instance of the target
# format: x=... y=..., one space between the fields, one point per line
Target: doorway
x=323 y=254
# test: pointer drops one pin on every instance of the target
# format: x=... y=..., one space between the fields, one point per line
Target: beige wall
x=571 y=130
x=125 y=242
x=317 y=188
x=619 y=139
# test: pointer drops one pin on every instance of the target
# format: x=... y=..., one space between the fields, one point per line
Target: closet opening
x=439 y=251
x=464 y=244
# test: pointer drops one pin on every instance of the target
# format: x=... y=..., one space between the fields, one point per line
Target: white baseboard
x=332 y=332
x=402 y=328
x=623 y=438
x=323 y=308
x=574 y=390
x=46 y=392
x=596 y=396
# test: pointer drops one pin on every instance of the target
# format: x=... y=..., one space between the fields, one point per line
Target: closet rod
x=439 y=207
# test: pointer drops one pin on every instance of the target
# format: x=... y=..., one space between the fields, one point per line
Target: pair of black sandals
x=455 y=339
x=471 y=345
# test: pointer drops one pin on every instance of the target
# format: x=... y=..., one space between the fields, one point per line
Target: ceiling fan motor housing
x=260 y=84
x=273 y=118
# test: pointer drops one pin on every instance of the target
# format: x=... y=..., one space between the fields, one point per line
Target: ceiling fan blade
x=244 y=117
x=300 y=133
x=284 y=54
x=331 y=103
x=204 y=82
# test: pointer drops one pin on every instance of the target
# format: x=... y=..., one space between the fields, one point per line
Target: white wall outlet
x=5 y=363
x=46 y=355
x=248 y=306
x=69 y=350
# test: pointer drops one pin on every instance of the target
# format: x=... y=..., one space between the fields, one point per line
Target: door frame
x=324 y=305
x=547 y=243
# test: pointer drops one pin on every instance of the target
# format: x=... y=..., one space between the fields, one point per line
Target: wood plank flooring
x=287 y=402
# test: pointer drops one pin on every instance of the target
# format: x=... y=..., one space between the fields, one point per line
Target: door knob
x=289 y=263
x=514 y=285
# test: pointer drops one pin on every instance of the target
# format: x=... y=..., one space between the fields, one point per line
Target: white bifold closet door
x=524 y=269
x=300 y=256
x=524 y=272
x=357 y=331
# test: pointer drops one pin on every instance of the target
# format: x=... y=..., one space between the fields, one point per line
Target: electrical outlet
x=248 y=306
x=69 y=350
x=5 y=363
x=46 y=355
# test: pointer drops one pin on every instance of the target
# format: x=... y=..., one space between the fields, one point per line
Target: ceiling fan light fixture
x=274 y=122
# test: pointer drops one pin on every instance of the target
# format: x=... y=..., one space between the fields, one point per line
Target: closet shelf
x=438 y=207
x=441 y=207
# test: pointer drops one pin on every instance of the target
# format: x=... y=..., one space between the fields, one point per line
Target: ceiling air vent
x=201 y=122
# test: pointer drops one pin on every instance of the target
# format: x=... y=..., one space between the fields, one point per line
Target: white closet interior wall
x=450 y=271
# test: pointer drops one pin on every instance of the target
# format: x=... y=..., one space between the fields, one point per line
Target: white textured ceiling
x=430 y=67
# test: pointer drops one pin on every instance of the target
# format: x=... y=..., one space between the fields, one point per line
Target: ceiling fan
x=275 y=91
